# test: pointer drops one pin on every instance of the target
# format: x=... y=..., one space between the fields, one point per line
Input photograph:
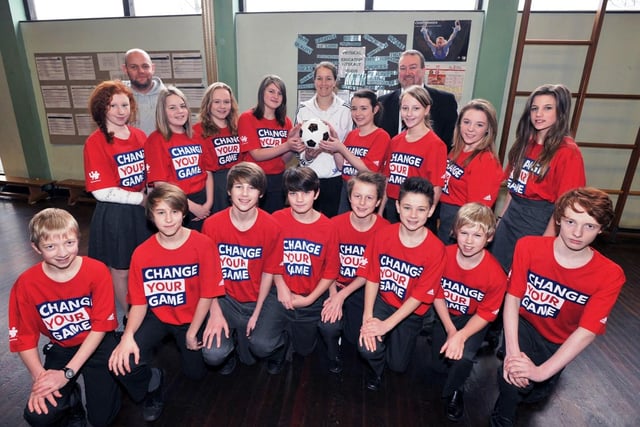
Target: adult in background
x=328 y=107
x=145 y=87
x=444 y=110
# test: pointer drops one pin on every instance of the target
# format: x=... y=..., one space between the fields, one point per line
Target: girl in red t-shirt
x=173 y=156
x=365 y=147
x=543 y=164
x=115 y=174
x=218 y=129
x=417 y=151
x=473 y=171
x=269 y=139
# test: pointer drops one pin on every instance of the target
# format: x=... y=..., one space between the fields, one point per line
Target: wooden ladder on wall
x=592 y=44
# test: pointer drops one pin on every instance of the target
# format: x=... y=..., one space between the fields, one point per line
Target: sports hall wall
x=278 y=54
x=266 y=45
x=263 y=49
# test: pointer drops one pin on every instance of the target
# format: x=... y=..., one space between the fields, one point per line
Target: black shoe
x=373 y=382
x=77 y=415
x=154 y=402
x=455 y=406
x=335 y=366
x=500 y=421
x=274 y=367
x=229 y=366
x=276 y=362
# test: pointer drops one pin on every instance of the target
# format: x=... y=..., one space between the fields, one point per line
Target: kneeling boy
x=310 y=260
x=559 y=296
x=245 y=238
x=469 y=298
x=69 y=299
x=172 y=280
x=342 y=311
x=403 y=266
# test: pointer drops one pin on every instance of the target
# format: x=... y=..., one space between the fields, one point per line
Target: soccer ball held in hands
x=312 y=132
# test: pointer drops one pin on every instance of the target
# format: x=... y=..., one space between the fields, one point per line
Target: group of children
x=259 y=284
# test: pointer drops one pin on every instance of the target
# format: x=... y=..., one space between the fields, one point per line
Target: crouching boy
x=470 y=295
x=69 y=299
x=342 y=310
x=172 y=280
x=310 y=261
x=403 y=266
x=246 y=240
x=559 y=295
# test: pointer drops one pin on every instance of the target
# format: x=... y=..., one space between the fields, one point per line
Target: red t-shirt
x=557 y=300
x=118 y=164
x=566 y=172
x=245 y=255
x=351 y=245
x=426 y=158
x=264 y=133
x=371 y=148
x=403 y=272
x=479 y=181
x=65 y=312
x=224 y=147
x=479 y=290
x=172 y=281
x=310 y=251
x=181 y=161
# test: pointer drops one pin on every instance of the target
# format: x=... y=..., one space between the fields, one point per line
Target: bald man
x=145 y=87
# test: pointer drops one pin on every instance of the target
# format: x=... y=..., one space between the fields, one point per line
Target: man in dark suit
x=444 y=110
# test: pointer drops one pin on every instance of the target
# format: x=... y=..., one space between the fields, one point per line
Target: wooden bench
x=35 y=186
x=77 y=191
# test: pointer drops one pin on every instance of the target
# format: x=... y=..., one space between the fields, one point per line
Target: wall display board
x=67 y=80
x=362 y=60
x=365 y=46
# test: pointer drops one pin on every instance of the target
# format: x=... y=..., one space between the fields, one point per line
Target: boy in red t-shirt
x=342 y=311
x=403 y=266
x=559 y=296
x=245 y=239
x=469 y=298
x=310 y=261
x=69 y=299
x=173 y=279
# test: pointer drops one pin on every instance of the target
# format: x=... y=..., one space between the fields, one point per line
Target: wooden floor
x=600 y=388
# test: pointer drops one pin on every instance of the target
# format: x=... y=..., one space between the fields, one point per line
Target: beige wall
x=616 y=69
x=103 y=35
